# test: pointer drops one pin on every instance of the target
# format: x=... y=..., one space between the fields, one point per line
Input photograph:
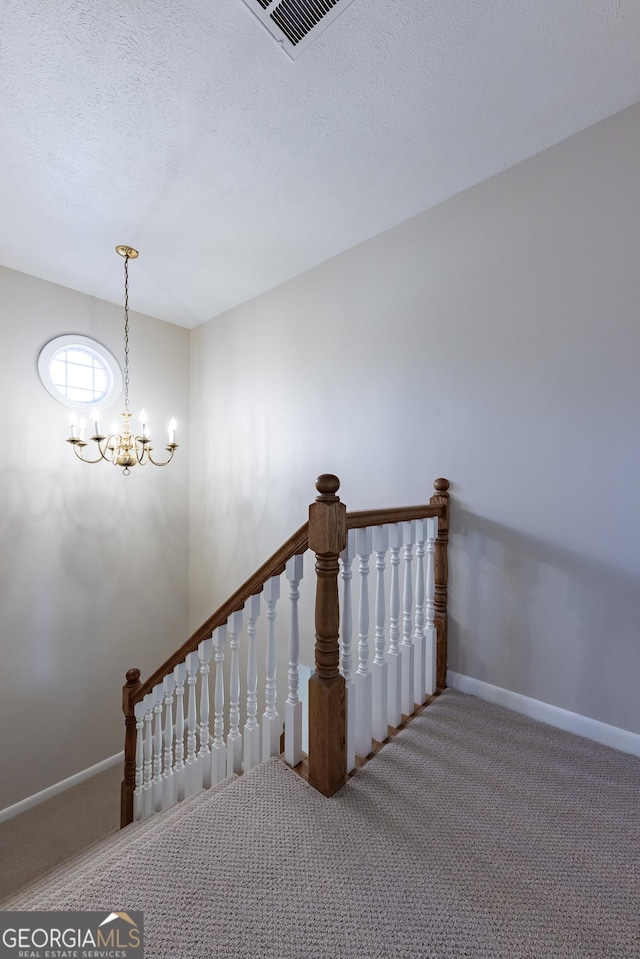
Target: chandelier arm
x=81 y=446
x=113 y=438
x=171 y=448
x=141 y=449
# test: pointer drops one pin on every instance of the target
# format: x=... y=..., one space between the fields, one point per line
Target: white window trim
x=87 y=343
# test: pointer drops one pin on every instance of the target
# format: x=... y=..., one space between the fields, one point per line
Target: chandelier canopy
x=124 y=448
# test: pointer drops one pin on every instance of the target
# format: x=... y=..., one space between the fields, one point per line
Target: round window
x=79 y=372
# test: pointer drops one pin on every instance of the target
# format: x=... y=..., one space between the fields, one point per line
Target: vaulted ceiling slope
x=183 y=128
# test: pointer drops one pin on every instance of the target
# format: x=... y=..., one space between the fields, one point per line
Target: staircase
x=179 y=740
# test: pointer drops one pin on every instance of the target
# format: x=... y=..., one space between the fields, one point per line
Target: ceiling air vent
x=296 y=23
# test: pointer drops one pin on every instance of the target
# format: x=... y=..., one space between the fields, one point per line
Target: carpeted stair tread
x=110 y=850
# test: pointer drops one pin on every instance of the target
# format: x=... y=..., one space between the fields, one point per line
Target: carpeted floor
x=475 y=833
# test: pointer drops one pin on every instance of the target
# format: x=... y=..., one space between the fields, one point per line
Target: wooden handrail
x=396 y=514
x=298 y=543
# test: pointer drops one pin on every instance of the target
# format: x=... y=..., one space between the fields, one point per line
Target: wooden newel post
x=327 y=713
x=441 y=576
x=129 y=781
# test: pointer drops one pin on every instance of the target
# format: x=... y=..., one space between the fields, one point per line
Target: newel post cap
x=133 y=683
x=327 y=485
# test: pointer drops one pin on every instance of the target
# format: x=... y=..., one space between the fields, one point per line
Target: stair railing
x=350 y=713
x=175 y=743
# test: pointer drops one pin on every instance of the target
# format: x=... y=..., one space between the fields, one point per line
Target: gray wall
x=493 y=340
x=94 y=564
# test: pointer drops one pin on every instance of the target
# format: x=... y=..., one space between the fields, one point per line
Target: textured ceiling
x=183 y=129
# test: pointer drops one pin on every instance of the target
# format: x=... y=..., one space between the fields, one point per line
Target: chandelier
x=123 y=448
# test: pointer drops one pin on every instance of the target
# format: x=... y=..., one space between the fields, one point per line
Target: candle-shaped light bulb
x=73 y=420
x=143 y=421
x=81 y=425
x=172 y=430
x=96 y=421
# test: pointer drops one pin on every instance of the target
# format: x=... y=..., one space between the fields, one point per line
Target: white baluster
x=293 y=706
x=406 y=647
x=363 y=674
x=234 y=739
x=205 y=651
x=394 y=656
x=218 y=747
x=418 y=616
x=193 y=777
x=252 y=727
x=158 y=696
x=430 y=629
x=346 y=658
x=168 y=779
x=305 y=674
x=379 y=669
x=138 y=710
x=180 y=675
x=147 y=783
x=270 y=717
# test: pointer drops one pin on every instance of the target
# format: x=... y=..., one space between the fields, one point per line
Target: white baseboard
x=622 y=739
x=10 y=811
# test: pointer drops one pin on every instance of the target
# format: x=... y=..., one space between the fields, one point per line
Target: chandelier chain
x=126 y=332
